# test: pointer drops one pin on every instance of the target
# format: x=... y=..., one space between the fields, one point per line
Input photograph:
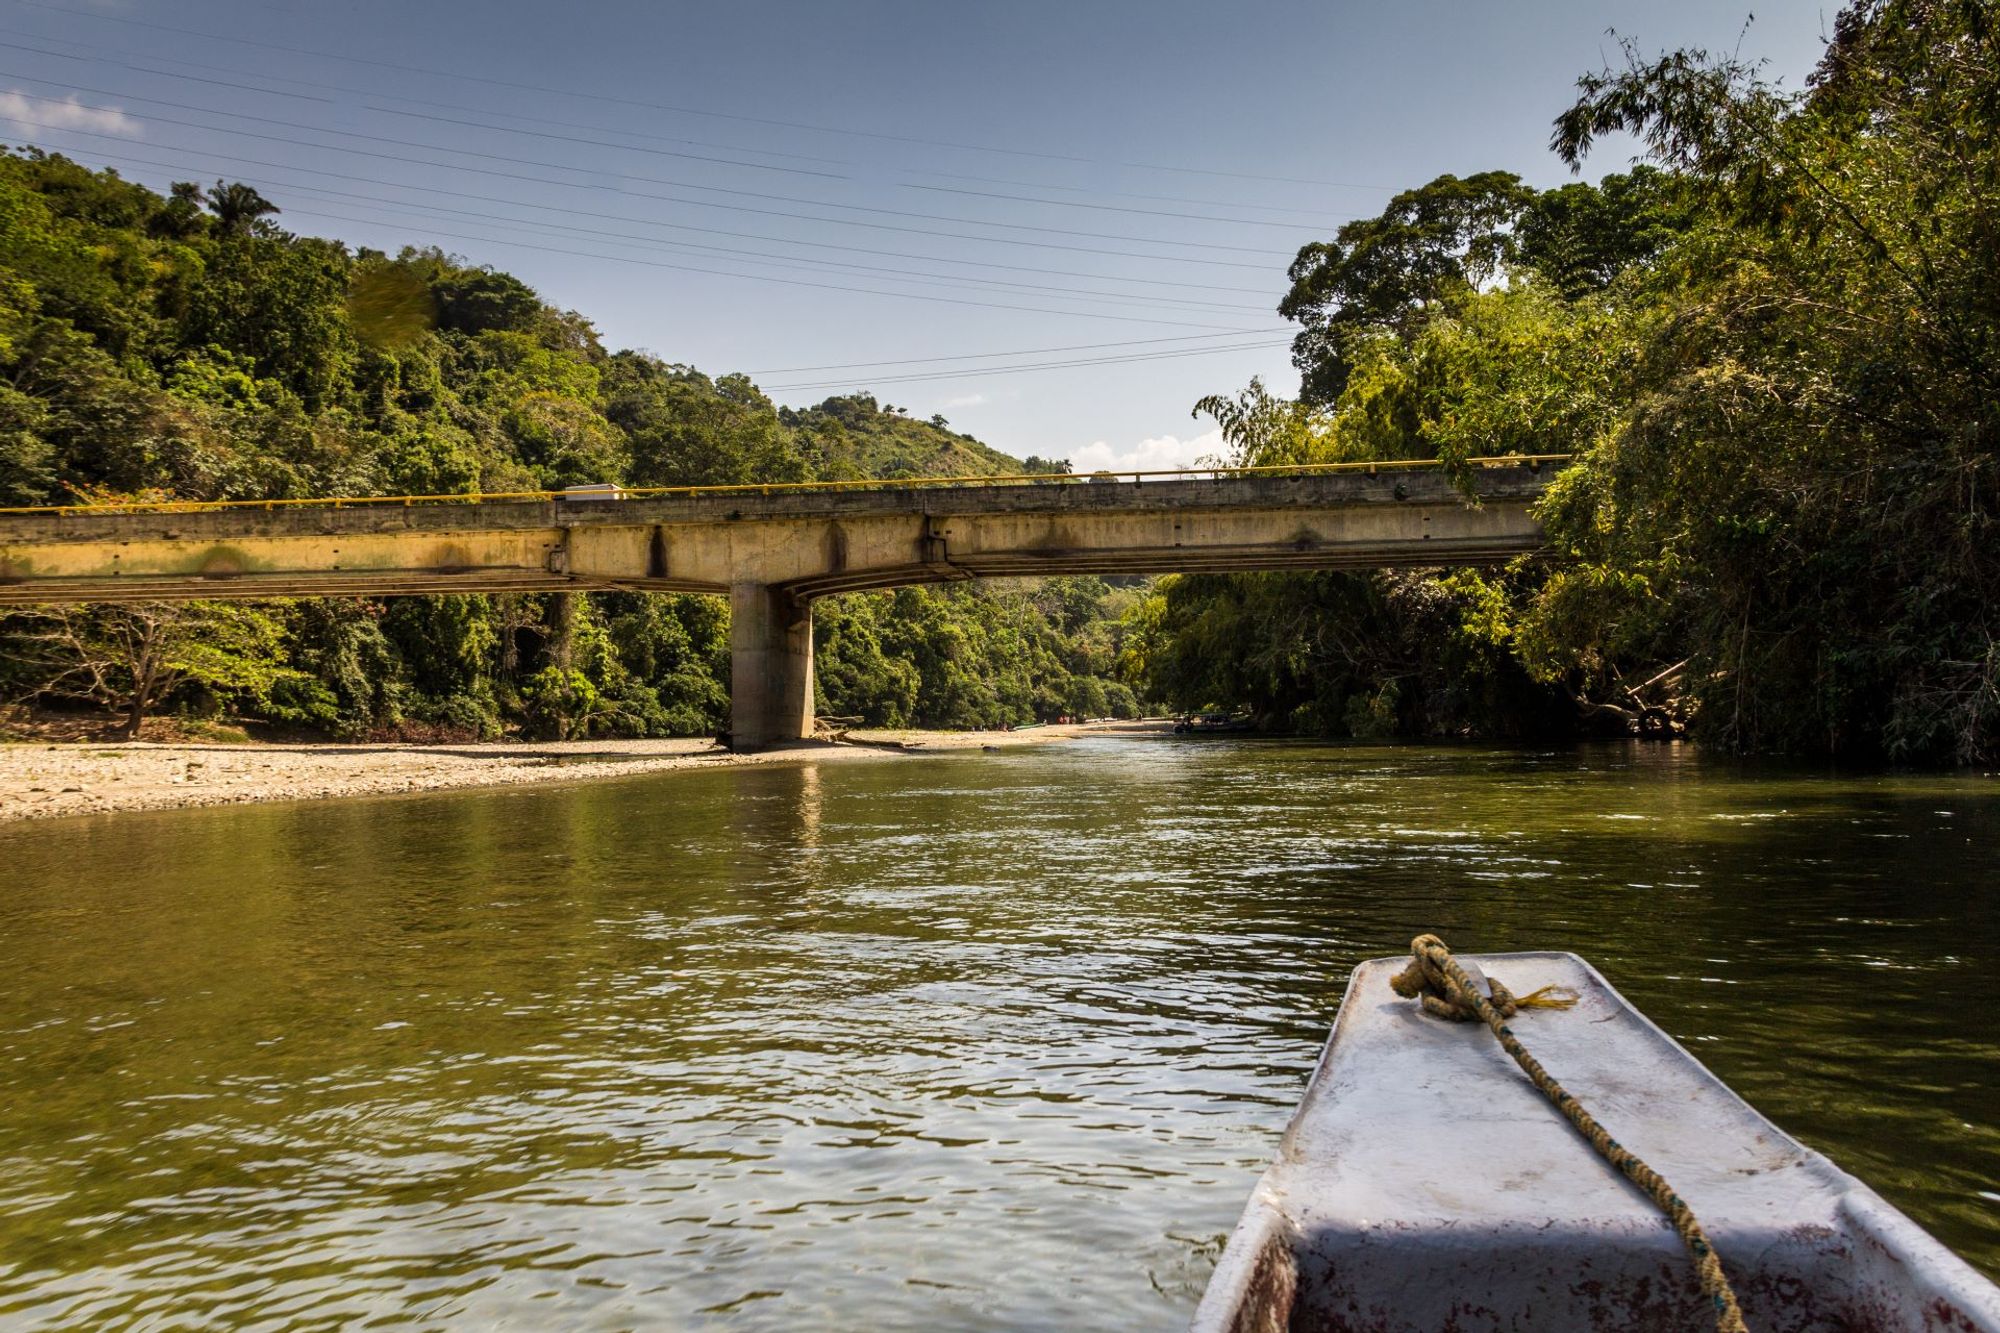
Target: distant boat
x=1214 y=722
x=1425 y=1184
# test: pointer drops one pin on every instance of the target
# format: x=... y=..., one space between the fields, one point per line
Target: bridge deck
x=772 y=552
x=810 y=540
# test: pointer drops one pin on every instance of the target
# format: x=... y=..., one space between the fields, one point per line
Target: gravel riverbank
x=43 y=781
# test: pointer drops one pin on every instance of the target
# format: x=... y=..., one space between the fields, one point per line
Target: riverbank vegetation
x=1774 y=349
x=187 y=346
x=1770 y=347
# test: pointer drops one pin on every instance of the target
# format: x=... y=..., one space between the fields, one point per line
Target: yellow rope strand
x=1435 y=978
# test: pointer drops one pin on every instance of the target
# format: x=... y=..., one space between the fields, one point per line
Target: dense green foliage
x=1770 y=347
x=1775 y=351
x=186 y=346
x=978 y=657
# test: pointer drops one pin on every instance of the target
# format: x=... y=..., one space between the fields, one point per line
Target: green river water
x=970 y=1041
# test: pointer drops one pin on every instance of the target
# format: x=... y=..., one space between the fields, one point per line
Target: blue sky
x=862 y=195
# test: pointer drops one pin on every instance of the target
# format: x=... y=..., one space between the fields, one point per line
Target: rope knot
x=1447 y=991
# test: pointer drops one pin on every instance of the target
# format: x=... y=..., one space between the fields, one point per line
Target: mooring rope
x=1435 y=978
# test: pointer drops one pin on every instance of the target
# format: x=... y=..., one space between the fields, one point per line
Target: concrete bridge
x=772 y=550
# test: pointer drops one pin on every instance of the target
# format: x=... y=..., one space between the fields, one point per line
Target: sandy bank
x=42 y=781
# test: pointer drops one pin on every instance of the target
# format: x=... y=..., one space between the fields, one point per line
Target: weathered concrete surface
x=795 y=545
x=770 y=666
x=815 y=542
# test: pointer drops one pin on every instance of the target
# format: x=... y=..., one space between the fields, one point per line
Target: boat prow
x=1425 y=1184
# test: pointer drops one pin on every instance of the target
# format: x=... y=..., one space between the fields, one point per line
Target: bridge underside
x=772 y=555
x=256 y=584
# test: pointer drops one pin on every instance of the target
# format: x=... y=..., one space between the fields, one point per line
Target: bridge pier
x=770 y=666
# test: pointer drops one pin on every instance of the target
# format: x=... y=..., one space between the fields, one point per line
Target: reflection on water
x=980 y=1041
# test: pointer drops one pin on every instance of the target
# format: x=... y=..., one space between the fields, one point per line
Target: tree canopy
x=1771 y=348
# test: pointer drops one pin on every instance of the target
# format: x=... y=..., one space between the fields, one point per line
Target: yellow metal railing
x=785 y=487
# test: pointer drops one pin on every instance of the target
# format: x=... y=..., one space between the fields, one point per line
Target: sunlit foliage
x=1773 y=349
x=187 y=346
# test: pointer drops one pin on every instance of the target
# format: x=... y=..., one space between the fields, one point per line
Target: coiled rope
x=1435 y=978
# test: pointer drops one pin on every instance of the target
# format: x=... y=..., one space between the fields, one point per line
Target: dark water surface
x=976 y=1041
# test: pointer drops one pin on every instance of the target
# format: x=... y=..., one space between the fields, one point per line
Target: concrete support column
x=770 y=667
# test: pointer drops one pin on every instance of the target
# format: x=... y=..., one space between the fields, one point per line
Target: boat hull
x=1425 y=1185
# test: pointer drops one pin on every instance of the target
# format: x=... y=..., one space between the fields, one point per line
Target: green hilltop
x=867 y=439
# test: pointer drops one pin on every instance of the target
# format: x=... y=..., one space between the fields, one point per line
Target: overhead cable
x=753 y=277
x=431 y=72
x=634 y=194
x=560 y=166
x=981 y=356
x=575 y=213
x=110 y=56
x=876 y=381
x=1318 y=216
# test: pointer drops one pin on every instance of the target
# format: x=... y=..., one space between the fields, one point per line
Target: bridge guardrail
x=1368 y=466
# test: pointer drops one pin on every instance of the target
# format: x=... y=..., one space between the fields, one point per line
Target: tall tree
x=129 y=659
x=1386 y=272
x=237 y=207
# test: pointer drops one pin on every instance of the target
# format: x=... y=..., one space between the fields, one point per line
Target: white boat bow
x=1426 y=1185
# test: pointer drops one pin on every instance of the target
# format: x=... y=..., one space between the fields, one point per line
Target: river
x=973 y=1041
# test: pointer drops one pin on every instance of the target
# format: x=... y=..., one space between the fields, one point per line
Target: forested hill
x=188 y=346
x=877 y=440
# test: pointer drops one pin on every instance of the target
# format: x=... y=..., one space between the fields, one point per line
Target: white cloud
x=1159 y=454
x=969 y=400
x=24 y=113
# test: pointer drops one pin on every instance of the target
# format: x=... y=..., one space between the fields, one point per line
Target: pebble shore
x=45 y=781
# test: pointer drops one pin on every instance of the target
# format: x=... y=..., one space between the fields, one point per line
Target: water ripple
x=984 y=1041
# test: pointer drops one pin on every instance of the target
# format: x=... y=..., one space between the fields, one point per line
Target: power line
x=917 y=377
x=910 y=378
x=790 y=282
x=417 y=115
x=95 y=59
x=877 y=381
x=572 y=138
x=565 y=211
x=811 y=265
x=681 y=247
x=940 y=189
x=1105 y=208
x=559 y=166
x=1319 y=216
x=980 y=356
x=111 y=59
x=429 y=72
x=165 y=73
x=653 y=243
x=752 y=277
x=637 y=194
